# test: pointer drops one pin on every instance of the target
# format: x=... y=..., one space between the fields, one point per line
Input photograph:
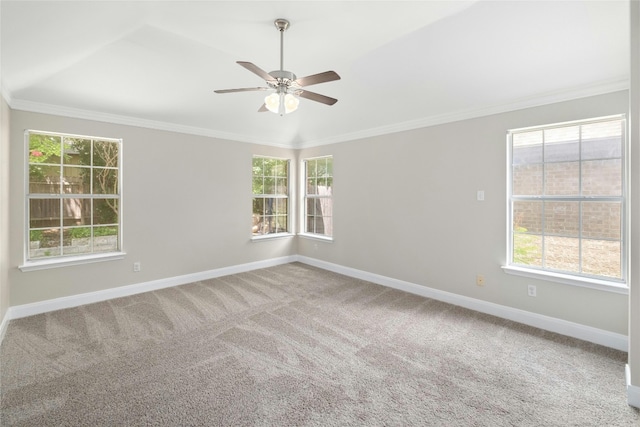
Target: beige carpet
x=295 y=345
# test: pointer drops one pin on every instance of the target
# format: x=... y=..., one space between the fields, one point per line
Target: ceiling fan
x=286 y=86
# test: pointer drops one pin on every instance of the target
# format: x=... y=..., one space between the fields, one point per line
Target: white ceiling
x=404 y=64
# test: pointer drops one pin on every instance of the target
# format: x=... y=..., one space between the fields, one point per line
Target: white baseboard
x=586 y=333
x=633 y=391
x=3 y=325
x=552 y=324
x=25 y=310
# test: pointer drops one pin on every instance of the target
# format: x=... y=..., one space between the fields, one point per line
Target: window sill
x=261 y=237
x=68 y=261
x=567 y=279
x=316 y=237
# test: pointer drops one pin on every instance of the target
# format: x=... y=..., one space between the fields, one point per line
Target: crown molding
x=534 y=101
x=6 y=95
x=77 y=113
x=601 y=88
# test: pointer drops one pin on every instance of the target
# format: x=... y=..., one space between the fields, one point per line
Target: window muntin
x=270 y=188
x=73 y=196
x=567 y=204
x=318 y=197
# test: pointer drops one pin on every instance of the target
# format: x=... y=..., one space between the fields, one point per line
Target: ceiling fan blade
x=244 y=89
x=256 y=70
x=262 y=109
x=317 y=97
x=314 y=79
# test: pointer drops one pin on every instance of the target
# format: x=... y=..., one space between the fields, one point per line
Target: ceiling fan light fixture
x=281 y=103
x=272 y=102
x=290 y=103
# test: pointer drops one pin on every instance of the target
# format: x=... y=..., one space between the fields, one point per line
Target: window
x=567 y=204
x=270 y=196
x=318 y=197
x=73 y=196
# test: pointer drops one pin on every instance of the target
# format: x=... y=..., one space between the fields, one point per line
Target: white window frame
x=596 y=282
x=67 y=260
x=304 y=196
x=287 y=232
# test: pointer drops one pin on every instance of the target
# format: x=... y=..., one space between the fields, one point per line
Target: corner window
x=270 y=196
x=567 y=199
x=73 y=196
x=318 y=196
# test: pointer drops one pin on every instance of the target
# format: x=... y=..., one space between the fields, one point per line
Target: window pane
x=601 y=220
x=527 y=180
x=311 y=207
x=44 y=148
x=44 y=213
x=281 y=186
x=315 y=224
x=48 y=243
x=527 y=148
x=562 y=253
x=281 y=224
x=562 y=179
x=105 y=153
x=269 y=205
x=601 y=258
x=327 y=223
x=321 y=167
x=561 y=218
x=281 y=168
x=44 y=179
x=76 y=241
x=527 y=217
x=269 y=186
x=602 y=140
x=312 y=166
x=257 y=185
x=105 y=211
x=258 y=206
x=602 y=177
x=76 y=180
x=105 y=181
x=105 y=239
x=312 y=186
x=527 y=249
x=281 y=206
x=561 y=144
x=257 y=166
x=76 y=211
x=77 y=151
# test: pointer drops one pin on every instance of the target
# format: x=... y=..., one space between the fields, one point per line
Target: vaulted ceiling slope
x=404 y=64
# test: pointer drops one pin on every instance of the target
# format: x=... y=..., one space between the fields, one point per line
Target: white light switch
x=480 y=195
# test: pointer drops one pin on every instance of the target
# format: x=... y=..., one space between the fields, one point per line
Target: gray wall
x=186 y=203
x=4 y=207
x=405 y=207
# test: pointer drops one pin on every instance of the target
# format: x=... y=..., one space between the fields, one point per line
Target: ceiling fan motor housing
x=283 y=80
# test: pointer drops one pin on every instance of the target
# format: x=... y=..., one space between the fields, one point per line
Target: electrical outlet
x=137 y=266
x=531 y=290
x=480 y=280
